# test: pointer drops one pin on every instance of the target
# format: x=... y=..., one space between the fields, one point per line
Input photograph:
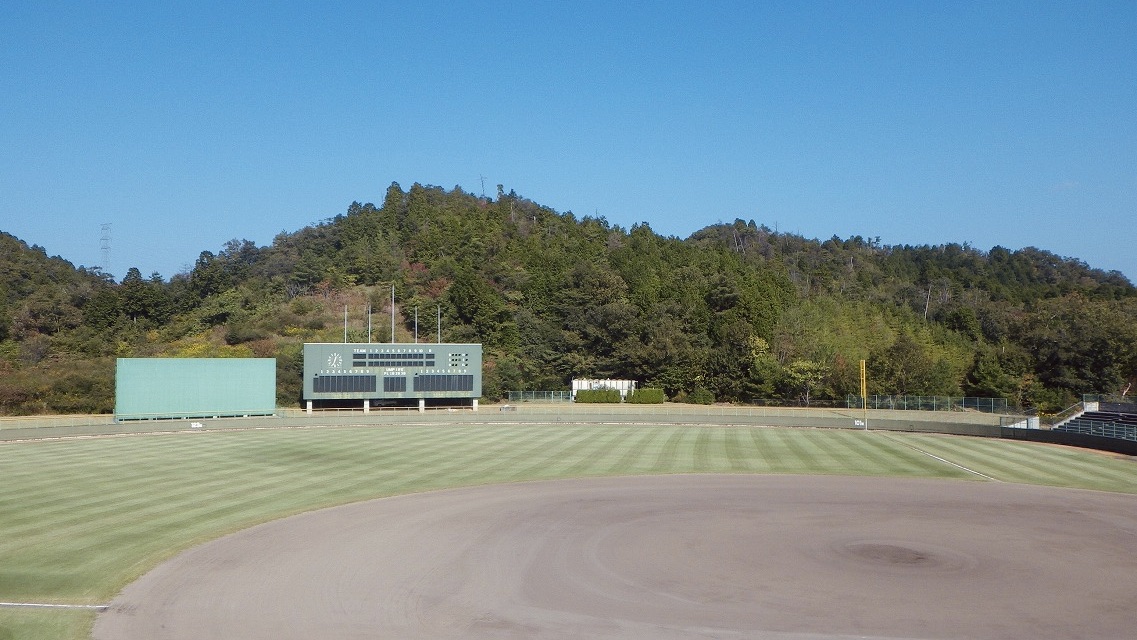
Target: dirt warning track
x=723 y=556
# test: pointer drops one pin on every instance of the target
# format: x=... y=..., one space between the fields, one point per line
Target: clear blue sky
x=187 y=124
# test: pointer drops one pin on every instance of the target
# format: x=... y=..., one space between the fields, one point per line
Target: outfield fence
x=551 y=413
x=969 y=423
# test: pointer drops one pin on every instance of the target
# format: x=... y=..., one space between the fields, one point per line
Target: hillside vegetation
x=736 y=311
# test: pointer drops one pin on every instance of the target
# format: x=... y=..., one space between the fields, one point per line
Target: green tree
x=475 y=304
x=146 y=300
x=805 y=377
x=1082 y=345
x=209 y=276
x=988 y=379
x=104 y=309
x=907 y=368
x=764 y=369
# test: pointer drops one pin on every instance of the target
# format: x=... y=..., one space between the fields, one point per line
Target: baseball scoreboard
x=391 y=372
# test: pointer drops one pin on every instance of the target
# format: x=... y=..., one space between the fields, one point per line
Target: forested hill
x=736 y=310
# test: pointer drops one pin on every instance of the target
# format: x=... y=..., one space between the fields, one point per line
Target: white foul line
x=931 y=455
x=44 y=605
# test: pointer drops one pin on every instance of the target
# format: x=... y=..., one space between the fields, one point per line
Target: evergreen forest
x=736 y=312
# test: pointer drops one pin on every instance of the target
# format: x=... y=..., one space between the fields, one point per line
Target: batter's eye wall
x=164 y=388
x=403 y=371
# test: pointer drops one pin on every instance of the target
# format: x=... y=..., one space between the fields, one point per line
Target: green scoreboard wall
x=378 y=371
x=149 y=388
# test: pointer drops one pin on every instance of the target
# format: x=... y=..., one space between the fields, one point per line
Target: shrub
x=242 y=333
x=648 y=396
x=598 y=396
x=701 y=396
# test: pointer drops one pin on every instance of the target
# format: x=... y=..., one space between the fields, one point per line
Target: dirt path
x=786 y=558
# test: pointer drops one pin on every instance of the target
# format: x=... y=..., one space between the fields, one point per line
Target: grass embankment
x=80 y=519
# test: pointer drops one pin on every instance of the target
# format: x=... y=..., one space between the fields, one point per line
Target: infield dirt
x=717 y=556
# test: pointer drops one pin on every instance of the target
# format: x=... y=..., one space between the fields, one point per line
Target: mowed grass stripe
x=760 y=458
x=793 y=455
x=639 y=452
x=106 y=498
x=1102 y=468
x=835 y=454
x=146 y=533
x=665 y=461
x=684 y=459
x=125 y=500
x=63 y=524
x=715 y=458
x=1003 y=464
x=1034 y=463
x=1013 y=463
x=774 y=448
x=110 y=508
x=566 y=447
x=546 y=458
x=1098 y=470
x=898 y=447
x=235 y=502
x=495 y=450
x=593 y=458
x=735 y=451
x=826 y=452
x=997 y=464
x=629 y=448
x=202 y=474
x=700 y=454
x=194 y=474
x=435 y=450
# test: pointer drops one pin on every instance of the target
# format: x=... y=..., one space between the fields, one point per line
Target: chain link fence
x=539 y=396
x=930 y=403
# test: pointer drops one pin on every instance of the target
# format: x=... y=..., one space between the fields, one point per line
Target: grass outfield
x=80 y=519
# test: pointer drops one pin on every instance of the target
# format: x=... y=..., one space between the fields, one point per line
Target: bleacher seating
x=1113 y=421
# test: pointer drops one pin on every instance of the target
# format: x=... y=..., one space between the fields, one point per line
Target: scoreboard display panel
x=354 y=371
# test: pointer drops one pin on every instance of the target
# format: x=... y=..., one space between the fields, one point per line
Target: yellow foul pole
x=864 y=397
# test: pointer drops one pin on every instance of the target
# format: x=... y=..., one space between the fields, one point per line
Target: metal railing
x=1065 y=415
